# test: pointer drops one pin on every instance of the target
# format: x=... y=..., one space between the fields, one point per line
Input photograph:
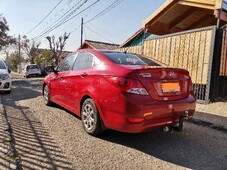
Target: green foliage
x=45 y=58
x=4 y=38
x=13 y=61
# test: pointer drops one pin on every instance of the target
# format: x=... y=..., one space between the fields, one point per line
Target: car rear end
x=147 y=98
x=32 y=70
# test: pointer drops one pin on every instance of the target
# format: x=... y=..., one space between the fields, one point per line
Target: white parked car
x=32 y=70
x=5 y=78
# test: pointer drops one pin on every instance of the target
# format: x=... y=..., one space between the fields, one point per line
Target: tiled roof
x=99 y=45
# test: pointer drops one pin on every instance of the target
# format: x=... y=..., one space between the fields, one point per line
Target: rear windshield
x=149 y=61
x=32 y=67
x=124 y=58
x=2 y=65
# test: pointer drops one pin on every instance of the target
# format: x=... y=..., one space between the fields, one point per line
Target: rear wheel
x=46 y=96
x=90 y=118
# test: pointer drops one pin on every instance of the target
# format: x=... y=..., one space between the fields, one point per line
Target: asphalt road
x=35 y=136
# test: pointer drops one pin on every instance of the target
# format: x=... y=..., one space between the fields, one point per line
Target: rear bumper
x=32 y=74
x=139 y=117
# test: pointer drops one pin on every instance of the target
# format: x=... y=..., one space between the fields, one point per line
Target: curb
x=208 y=124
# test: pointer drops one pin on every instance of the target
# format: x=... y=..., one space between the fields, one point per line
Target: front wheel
x=46 y=96
x=90 y=118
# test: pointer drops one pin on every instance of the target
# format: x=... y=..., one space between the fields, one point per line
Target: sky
x=115 y=26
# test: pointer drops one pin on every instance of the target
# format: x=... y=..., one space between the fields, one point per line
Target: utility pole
x=82 y=30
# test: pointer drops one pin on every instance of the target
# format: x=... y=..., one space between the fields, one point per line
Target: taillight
x=128 y=85
x=190 y=86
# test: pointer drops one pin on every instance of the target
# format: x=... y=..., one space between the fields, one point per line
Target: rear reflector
x=135 y=119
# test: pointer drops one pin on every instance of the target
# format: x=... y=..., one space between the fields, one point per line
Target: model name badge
x=145 y=75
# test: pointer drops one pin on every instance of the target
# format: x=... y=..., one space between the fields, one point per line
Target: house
x=180 y=15
x=137 y=38
x=98 y=45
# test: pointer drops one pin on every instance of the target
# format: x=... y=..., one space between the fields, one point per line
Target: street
x=35 y=136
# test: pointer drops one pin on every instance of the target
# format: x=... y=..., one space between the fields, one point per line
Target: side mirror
x=49 y=69
x=9 y=70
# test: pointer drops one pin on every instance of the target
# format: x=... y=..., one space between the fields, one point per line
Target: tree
x=57 y=47
x=5 y=39
x=13 y=60
x=31 y=48
x=45 y=58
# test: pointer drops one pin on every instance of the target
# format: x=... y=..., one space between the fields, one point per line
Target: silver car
x=5 y=78
x=32 y=70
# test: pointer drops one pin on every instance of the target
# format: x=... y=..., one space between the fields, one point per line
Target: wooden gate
x=223 y=64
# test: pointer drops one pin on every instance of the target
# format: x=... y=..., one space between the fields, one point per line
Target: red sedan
x=117 y=90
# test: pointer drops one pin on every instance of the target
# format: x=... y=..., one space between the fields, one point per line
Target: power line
x=103 y=31
x=64 y=17
x=107 y=9
x=98 y=34
x=67 y=18
x=44 y=17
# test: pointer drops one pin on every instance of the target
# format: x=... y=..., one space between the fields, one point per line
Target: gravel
x=53 y=138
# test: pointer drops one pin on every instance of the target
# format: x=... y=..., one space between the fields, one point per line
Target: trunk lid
x=165 y=83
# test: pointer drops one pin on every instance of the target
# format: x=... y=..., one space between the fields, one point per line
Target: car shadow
x=21 y=89
x=196 y=147
x=212 y=121
x=199 y=146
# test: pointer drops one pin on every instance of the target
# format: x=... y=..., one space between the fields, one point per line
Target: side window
x=85 y=61
x=66 y=64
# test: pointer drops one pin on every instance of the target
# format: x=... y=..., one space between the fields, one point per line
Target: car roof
x=97 y=50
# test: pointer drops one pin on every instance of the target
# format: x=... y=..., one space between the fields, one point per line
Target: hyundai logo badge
x=171 y=74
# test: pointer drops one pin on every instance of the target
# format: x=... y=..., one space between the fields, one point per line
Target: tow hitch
x=178 y=128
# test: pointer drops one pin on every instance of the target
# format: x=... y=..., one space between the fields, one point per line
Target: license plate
x=170 y=87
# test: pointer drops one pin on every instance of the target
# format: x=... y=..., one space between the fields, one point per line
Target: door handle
x=83 y=75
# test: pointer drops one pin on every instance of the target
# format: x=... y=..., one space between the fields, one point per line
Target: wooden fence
x=191 y=50
x=223 y=65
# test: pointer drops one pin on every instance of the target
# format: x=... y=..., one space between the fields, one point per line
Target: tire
x=90 y=118
x=46 y=96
